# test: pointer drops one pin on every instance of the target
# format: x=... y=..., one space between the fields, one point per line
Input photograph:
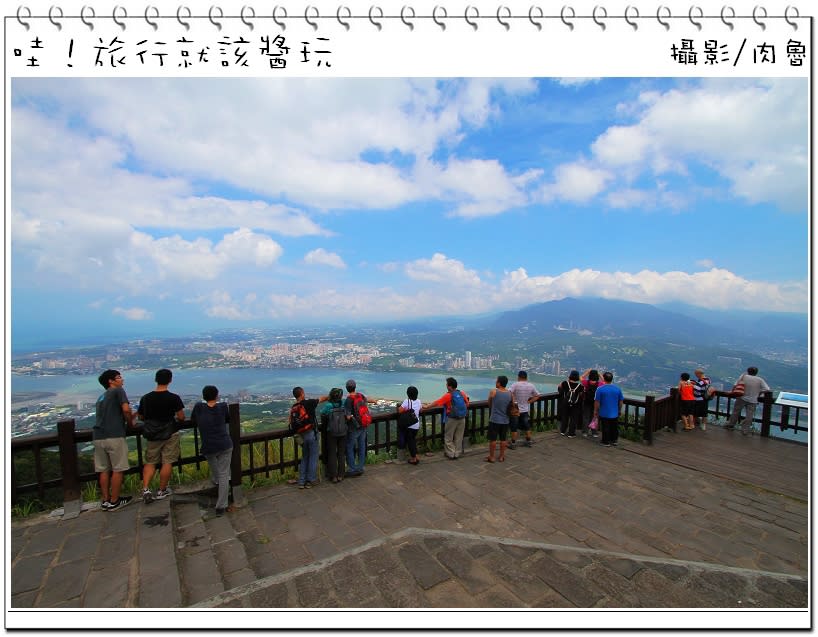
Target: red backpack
x=360 y=410
x=300 y=420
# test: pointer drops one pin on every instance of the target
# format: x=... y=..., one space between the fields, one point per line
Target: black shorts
x=687 y=407
x=497 y=430
x=700 y=411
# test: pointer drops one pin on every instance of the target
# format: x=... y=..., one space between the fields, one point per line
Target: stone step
x=211 y=550
x=156 y=556
x=199 y=573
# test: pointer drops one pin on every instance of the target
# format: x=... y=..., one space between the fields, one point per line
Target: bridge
x=697 y=520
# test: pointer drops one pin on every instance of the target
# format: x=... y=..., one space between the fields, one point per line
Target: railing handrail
x=646 y=415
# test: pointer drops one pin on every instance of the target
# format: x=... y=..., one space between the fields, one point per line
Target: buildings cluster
x=309 y=354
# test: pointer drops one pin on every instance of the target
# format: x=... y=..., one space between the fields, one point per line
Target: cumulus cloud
x=441 y=269
x=715 y=288
x=319 y=256
x=133 y=313
x=678 y=128
x=346 y=131
x=176 y=258
x=578 y=182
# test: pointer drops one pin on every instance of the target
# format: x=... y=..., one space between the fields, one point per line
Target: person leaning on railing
x=753 y=386
x=113 y=418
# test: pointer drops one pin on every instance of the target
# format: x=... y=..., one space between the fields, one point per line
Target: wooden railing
x=770 y=415
x=265 y=452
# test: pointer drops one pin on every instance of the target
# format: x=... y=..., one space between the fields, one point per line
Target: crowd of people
x=587 y=403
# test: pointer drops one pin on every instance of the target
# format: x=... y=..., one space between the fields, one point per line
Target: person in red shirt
x=687 y=401
x=456 y=405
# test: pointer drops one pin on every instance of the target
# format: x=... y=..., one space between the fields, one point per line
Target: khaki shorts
x=111 y=454
x=164 y=451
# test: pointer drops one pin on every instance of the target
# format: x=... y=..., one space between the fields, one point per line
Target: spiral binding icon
x=534 y=17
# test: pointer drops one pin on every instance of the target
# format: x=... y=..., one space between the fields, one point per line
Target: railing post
x=72 y=500
x=766 y=413
x=674 y=394
x=650 y=418
x=785 y=417
x=235 y=462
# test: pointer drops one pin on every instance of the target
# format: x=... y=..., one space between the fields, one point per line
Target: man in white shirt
x=524 y=394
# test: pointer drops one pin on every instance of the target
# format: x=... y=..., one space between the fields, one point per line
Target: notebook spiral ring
x=407 y=17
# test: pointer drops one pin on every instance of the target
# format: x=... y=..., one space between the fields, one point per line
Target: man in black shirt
x=163 y=407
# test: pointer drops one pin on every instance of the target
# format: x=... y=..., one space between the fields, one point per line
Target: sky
x=166 y=206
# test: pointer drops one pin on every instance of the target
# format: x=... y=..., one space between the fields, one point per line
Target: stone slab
x=426 y=570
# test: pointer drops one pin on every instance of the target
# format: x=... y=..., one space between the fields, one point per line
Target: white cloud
x=441 y=269
x=714 y=288
x=319 y=256
x=133 y=313
x=175 y=258
x=578 y=182
x=231 y=132
x=706 y=263
x=725 y=126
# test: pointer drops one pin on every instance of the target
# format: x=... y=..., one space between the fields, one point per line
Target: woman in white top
x=411 y=432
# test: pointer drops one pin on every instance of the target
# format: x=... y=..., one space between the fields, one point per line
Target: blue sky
x=165 y=206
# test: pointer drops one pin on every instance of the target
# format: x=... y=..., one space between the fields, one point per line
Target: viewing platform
x=696 y=520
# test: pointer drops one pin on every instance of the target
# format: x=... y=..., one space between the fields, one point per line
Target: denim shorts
x=521 y=422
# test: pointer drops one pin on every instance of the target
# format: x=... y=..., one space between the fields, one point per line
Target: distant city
x=646 y=348
x=34 y=413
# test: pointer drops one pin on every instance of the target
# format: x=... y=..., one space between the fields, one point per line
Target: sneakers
x=569 y=435
x=228 y=509
x=511 y=445
x=124 y=500
x=147 y=496
x=162 y=494
x=527 y=443
x=306 y=485
x=562 y=433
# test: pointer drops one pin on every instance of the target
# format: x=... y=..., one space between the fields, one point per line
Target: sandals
x=489 y=459
x=501 y=459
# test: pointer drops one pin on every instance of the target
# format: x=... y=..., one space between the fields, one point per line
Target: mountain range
x=648 y=346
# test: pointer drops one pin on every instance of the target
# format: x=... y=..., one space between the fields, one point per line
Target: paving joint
x=416 y=532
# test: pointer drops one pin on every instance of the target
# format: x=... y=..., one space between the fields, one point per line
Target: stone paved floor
x=572 y=524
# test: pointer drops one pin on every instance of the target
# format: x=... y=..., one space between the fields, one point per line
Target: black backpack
x=337 y=422
x=572 y=396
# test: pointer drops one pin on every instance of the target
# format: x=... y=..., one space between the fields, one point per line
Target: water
x=188 y=383
x=316 y=381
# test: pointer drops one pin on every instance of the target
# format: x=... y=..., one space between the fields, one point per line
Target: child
x=211 y=417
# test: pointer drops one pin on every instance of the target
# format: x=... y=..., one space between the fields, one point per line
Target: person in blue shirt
x=608 y=402
x=212 y=418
